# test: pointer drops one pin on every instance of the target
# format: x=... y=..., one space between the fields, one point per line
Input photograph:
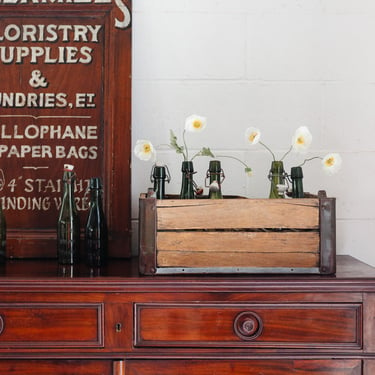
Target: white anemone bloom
x=252 y=135
x=144 y=150
x=195 y=123
x=331 y=163
x=302 y=139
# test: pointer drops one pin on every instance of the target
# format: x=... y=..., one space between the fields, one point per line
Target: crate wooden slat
x=233 y=259
x=237 y=213
x=237 y=235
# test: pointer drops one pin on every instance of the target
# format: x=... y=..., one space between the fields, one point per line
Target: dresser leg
x=118 y=367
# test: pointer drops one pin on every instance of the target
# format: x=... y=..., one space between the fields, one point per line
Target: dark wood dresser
x=73 y=321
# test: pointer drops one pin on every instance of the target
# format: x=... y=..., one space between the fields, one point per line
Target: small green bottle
x=160 y=174
x=187 y=183
x=296 y=175
x=277 y=177
x=216 y=177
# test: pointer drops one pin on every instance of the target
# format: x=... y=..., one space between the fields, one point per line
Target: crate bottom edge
x=237 y=270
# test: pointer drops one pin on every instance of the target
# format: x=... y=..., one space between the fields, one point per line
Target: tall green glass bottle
x=68 y=225
x=96 y=232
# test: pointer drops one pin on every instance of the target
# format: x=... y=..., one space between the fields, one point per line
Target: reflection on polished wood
x=347 y=267
x=115 y=321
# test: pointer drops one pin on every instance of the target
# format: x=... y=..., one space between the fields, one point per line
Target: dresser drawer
x=51 y=325
x=244 y=367
x=55 y=367
x=309 y=325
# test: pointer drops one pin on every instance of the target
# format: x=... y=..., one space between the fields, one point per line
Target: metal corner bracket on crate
x=237 y=236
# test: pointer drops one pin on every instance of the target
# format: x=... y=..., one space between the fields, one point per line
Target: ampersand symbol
x=37 y=80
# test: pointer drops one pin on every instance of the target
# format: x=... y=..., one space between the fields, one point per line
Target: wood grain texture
x=369 y=367
x=273 y=242
x=238 y=213
x=297 y=326
x=235 y=259
x=56 y=367
x=243 y=367
x=119 y=368
x=238 y=249
x=51 y=325
x=369 y=322
x=167 y=325
x=221 y=235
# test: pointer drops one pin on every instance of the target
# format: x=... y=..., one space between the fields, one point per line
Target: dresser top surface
x=123 y=273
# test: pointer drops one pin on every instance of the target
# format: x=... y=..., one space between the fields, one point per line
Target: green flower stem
x=290 y=149
x=186 y=155
x=233 y=157
x=173 y=144
x=267 y=148
x=309 y=159
x=199 y=153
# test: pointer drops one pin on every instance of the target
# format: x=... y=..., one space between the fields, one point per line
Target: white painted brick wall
x=273 y=64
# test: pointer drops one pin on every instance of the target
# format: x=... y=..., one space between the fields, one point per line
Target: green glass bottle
x=187 y=183
x=216 y=176
x=96 y=232
x=160 y=174
x=296 y=175
x=68 y=225
x=277 y=176
x=3 y=235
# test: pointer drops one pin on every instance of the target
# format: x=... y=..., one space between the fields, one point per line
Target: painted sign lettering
x=56 y=107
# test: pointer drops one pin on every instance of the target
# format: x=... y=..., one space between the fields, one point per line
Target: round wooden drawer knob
x=248 y=325
x=1 y=324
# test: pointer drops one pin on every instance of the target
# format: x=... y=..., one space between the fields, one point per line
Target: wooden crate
x=237 y=235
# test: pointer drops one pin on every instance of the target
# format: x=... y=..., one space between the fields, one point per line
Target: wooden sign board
x=65 y=98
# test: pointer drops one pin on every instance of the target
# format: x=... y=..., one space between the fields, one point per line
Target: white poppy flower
x=331 y=163
x=302 y=139
x=252 y=135
x=195 y=123
x=144 y=150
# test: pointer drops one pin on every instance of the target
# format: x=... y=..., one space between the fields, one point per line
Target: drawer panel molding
x=52 y=325
x=305 y=325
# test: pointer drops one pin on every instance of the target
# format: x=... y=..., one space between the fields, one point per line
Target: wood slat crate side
x=238 y=235
x=147 y=235
x=239 y=242
x=232 y=259
x=238 y=213
x=327 y=222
